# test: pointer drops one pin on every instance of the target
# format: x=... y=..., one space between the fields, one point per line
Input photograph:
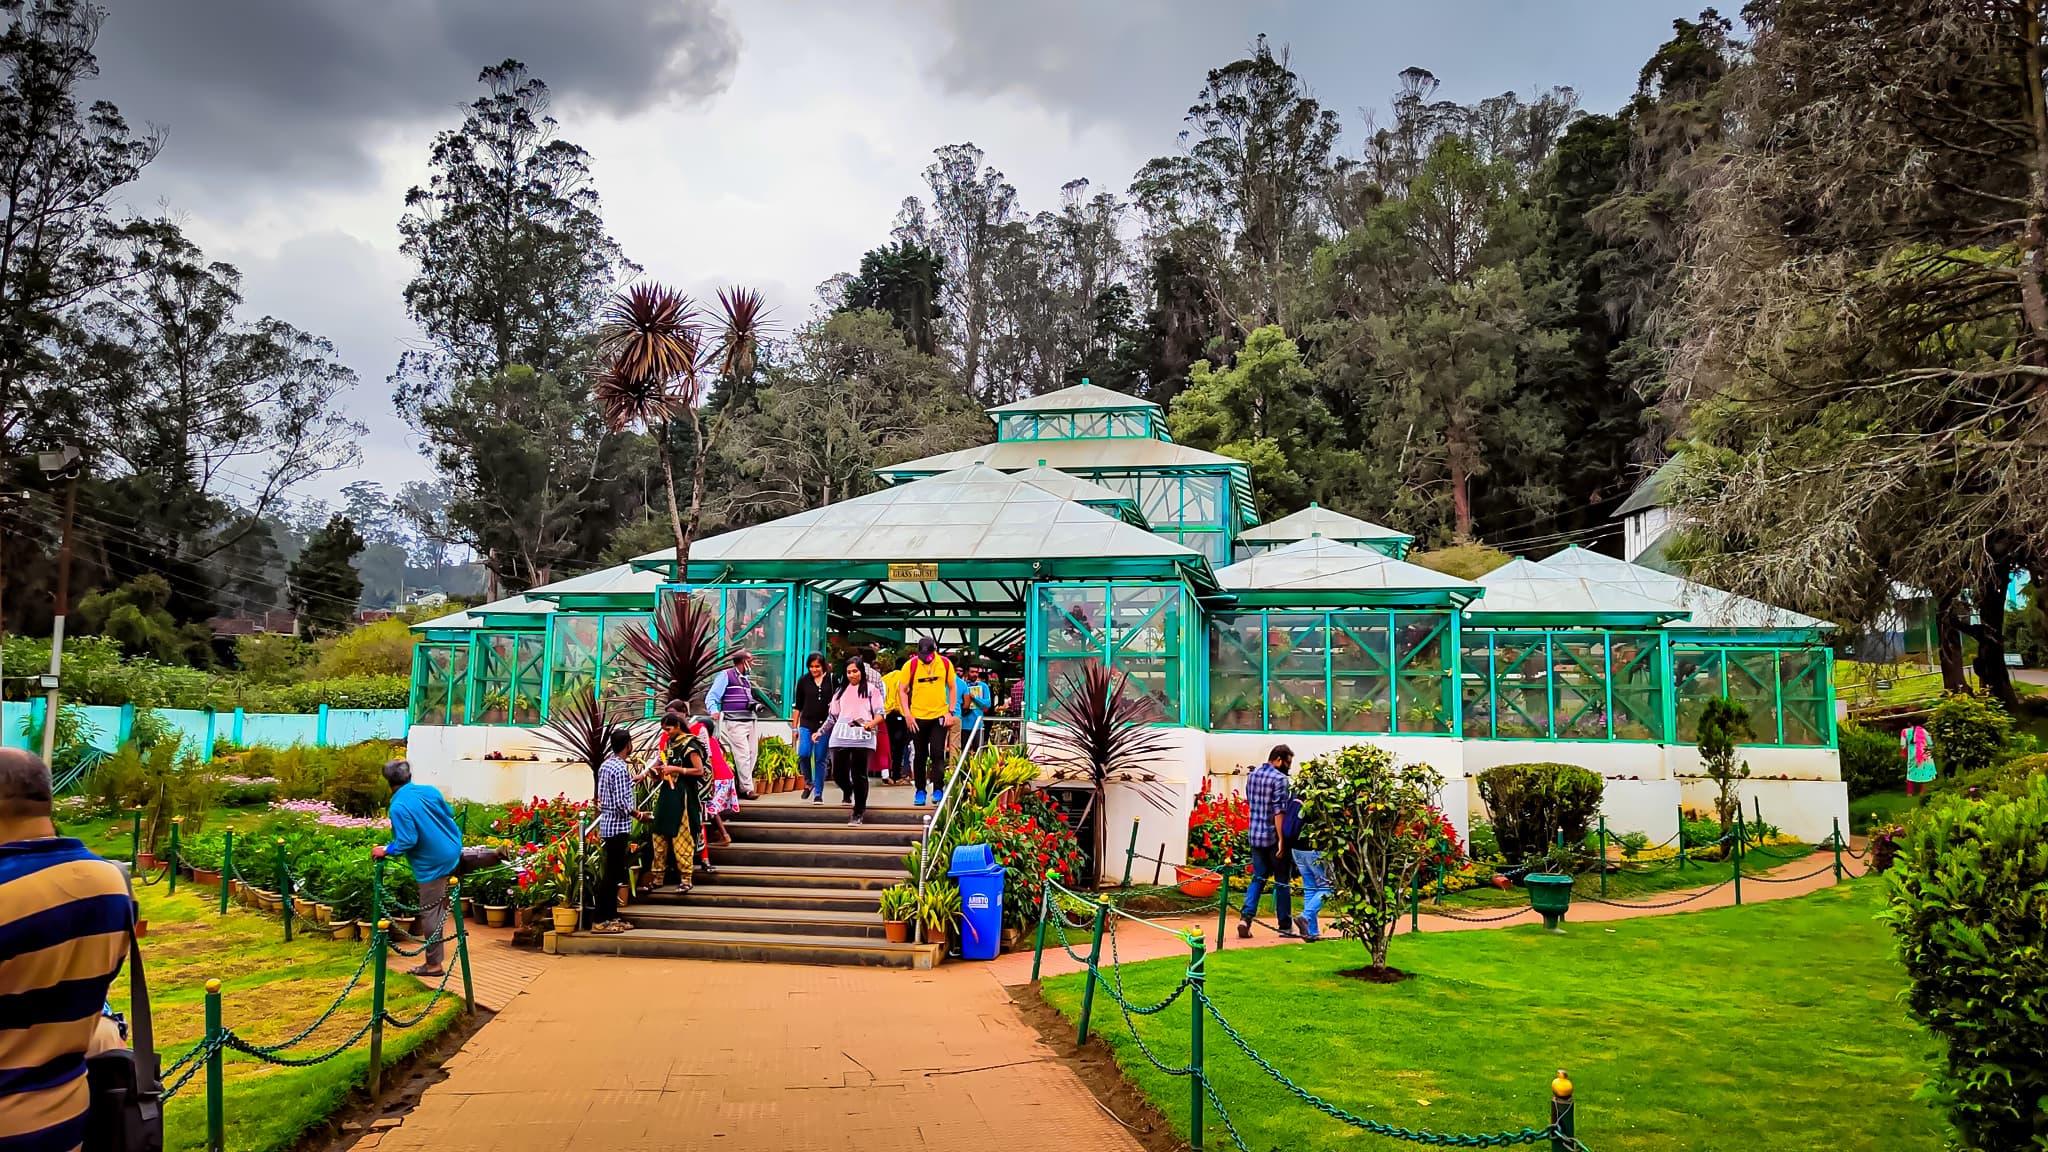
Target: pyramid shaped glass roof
x=1319 y=568
x=1523 y=591
x=1707 y=607
x=1082 y=397
x=1068 y=487
x=1314 y=521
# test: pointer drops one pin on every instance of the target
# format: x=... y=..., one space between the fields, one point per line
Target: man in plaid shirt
x=615 y=813
x=1265 y=793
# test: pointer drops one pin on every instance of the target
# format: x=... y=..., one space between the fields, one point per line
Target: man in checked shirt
x=1265 y=793
x=615 y=813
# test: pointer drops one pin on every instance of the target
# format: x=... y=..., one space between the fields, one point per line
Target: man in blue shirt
x=1266 y=795
x=423 y=830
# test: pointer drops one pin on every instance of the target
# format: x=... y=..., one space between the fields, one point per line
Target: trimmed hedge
x=96 y=673
x=1969 y=905
x=1531 y=803
x=1871 y=761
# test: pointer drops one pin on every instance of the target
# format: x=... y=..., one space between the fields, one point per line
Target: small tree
x=1723 y=723
x=1372 y=820
x=1970 y=732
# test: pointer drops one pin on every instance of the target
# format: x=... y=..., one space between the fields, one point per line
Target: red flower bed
x=1028 y=838
x=1218 y=829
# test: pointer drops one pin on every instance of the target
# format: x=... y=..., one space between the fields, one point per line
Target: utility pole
x=63 y=464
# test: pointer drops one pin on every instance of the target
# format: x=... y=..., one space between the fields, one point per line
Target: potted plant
x=940 y=911
x=898 y=906
x=342 y=929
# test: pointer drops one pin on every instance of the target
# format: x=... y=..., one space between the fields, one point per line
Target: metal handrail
x=942 y=817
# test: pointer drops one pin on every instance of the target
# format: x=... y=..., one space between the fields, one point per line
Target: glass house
x=1083 y=535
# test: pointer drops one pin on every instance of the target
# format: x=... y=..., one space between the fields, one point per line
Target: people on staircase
x=710 y=828
x=808 y=707
x=896 y=762
x=859 y=709
x=675 y=785
x=930 y=698
x=731 y=702
x=615 y=815
x=977 y=699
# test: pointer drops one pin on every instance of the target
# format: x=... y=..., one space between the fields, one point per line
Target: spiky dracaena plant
x=579 y=727
x=1101 y=732
x=676 y=659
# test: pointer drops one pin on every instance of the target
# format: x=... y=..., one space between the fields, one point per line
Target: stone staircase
x=798 y=885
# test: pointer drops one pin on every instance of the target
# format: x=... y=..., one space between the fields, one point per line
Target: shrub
x=1870 y=760
x=2009 y=778
x=246 y=792
x=1484 y=845
x=1970 y=732
x=1724 y=723
x=1532 y=803
x=1969 y=905
x=383 y=648
x=1373 y=822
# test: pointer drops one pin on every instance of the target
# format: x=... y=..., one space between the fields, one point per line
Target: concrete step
x=806 y=856
x=830 y=812
x=767 y=947
x=895 y=836
x=782 y=921
x=799 y=876
x=790 y=899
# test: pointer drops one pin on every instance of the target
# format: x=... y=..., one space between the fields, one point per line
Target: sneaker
x=920 y=801
x=858 y=820
x=1244 y=929
x=818 y=799
x=807 y=791
x=938 y=798
x=1301 y=928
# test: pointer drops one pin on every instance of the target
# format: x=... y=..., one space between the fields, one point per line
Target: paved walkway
x=497 y=971
x=615 y=1054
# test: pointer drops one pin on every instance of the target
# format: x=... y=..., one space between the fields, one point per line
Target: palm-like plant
x=676 y=659
x=654 y=353
x=579 y=726
x=1101 y=731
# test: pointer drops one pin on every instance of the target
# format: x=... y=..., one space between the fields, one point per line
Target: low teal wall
x=200 y=729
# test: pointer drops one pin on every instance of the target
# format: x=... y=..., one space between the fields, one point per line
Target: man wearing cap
x=930 y=703
x=731 y=705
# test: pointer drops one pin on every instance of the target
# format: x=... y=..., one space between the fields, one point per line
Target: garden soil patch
x=1376 y=975
x=1096 y=1068
x=404 y=1084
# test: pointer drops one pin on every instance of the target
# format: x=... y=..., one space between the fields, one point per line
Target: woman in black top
x=808 y=708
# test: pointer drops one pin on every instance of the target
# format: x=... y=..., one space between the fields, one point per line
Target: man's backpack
x=127 y=1112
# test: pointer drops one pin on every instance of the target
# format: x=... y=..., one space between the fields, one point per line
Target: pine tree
x=325 y=587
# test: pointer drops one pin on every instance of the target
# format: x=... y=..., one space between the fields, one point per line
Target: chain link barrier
x=1700 y=895
x=1823 y=870
x=1448 y=915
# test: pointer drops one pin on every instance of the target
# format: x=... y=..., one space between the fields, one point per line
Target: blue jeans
x=1267 y=866
x=812 y=756
x=1315 y=886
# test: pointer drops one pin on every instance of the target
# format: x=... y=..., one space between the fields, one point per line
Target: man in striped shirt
x=64 y=918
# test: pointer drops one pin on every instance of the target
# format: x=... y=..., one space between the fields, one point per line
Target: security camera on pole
x=63 y=464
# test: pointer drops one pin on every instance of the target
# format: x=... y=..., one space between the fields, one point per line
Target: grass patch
x=1867 y=812
x=1775 y=1025
x=269 y=990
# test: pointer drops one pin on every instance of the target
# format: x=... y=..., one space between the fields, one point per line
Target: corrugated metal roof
x=1314 y=521
x=1653 y=492
x=1324 y=565
x=1526 y=588
x=1709 y=607
x=1079 y=398
x=968 y=514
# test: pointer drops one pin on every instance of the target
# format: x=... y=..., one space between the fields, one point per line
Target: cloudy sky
x=765 y=142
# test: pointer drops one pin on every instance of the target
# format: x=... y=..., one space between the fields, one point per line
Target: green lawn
x=270 y=990
x=1878 y=808
x=1775 y=1025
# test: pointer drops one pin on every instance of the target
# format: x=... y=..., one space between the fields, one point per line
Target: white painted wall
x=453 y=759
x=1616 y=761
x=1641 y=529
x=1807 y=809
x=1796 y=763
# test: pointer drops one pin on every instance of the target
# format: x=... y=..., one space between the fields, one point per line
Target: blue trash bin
x=981 y=900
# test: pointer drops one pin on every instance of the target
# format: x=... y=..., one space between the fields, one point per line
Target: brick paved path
x=616 y=1054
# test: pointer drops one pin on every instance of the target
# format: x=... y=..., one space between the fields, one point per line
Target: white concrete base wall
x=1793 y=763
x=1646 y=806
x=1231 y=755
x=1177 y=779
x=1807 y=809
x=1616 y=761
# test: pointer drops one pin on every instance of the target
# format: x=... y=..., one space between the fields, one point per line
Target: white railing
x=941 y=819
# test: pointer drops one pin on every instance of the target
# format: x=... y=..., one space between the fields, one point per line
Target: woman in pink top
x=857 y=711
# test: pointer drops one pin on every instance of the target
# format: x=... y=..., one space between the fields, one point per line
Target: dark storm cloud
x=1138 y=64
x=297 y=89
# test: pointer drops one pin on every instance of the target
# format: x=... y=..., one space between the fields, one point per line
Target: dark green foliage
x=1969 y=905
x=1531 y=803
x=905 y=280
x=1970 y=733
x=1871 y=761
x=135 y=617
x=325 y=586
x=1724 y=723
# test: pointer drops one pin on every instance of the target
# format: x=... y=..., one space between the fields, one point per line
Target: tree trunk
x=1461 y=498
x=1948 y=631
x=668 y=475
x=1990 y=633
x=689 y=533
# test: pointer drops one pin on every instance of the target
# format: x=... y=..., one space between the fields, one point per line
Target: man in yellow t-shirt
x=899 y=731
x=929 y=697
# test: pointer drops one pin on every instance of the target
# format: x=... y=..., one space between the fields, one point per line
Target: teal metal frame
x=1115 y=635
x=1393 y=664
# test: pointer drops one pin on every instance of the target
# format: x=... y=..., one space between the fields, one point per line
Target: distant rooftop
x=1314 y=521
x=1653 y=492
x=1325 y=565
x=1083 y=397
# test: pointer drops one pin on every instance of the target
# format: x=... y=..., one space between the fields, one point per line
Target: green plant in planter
x=491 y=886
x=203 y=851
x=899 y=903
x=941 y=908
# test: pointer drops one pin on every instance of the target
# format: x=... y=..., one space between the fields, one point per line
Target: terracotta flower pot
x=206 y=876
x=897 y=931
x=323 y=914
x=342 y=929
x=565 y=921
x=522 y=918
x=145 y=861
x=495 y=915
x=141 y=929
x=1197 y=883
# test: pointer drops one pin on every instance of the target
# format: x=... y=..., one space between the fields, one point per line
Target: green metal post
x=1837 y=839
x=135 y=841
x=1094 y=956
x=1738 y=855
x=1603 y=854
x=216 y=1120
x=1414 y=908
x=1681 y=837
x=377 y=891
x=1198 y=954
x=1564 y=1129
x=1222 y=909
x=284 y=887
x=461 y=943
x=227 y=866
x=1758 y=801
x=377 y=943
x=1130 y=853
x=1038 y=947
x=173 y=872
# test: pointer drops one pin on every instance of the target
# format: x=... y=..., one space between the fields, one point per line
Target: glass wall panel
x=1696 y=676
x=1361 y=683
x=440 y=683
x=1578 y=675
x=1134 y=424
x=1422 y=693
x=1297 y=655
x=1786 y=690
x=1137 y=629
x=1639 y=686
x=1236 y=691
x=1753 y=680
x=1202 y=501
x=1476 y=678
x=1521 y=685
x=1147 y=629
x=575 y=643
x=509 y=677
x=1803 y=674
x=1090 y=425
